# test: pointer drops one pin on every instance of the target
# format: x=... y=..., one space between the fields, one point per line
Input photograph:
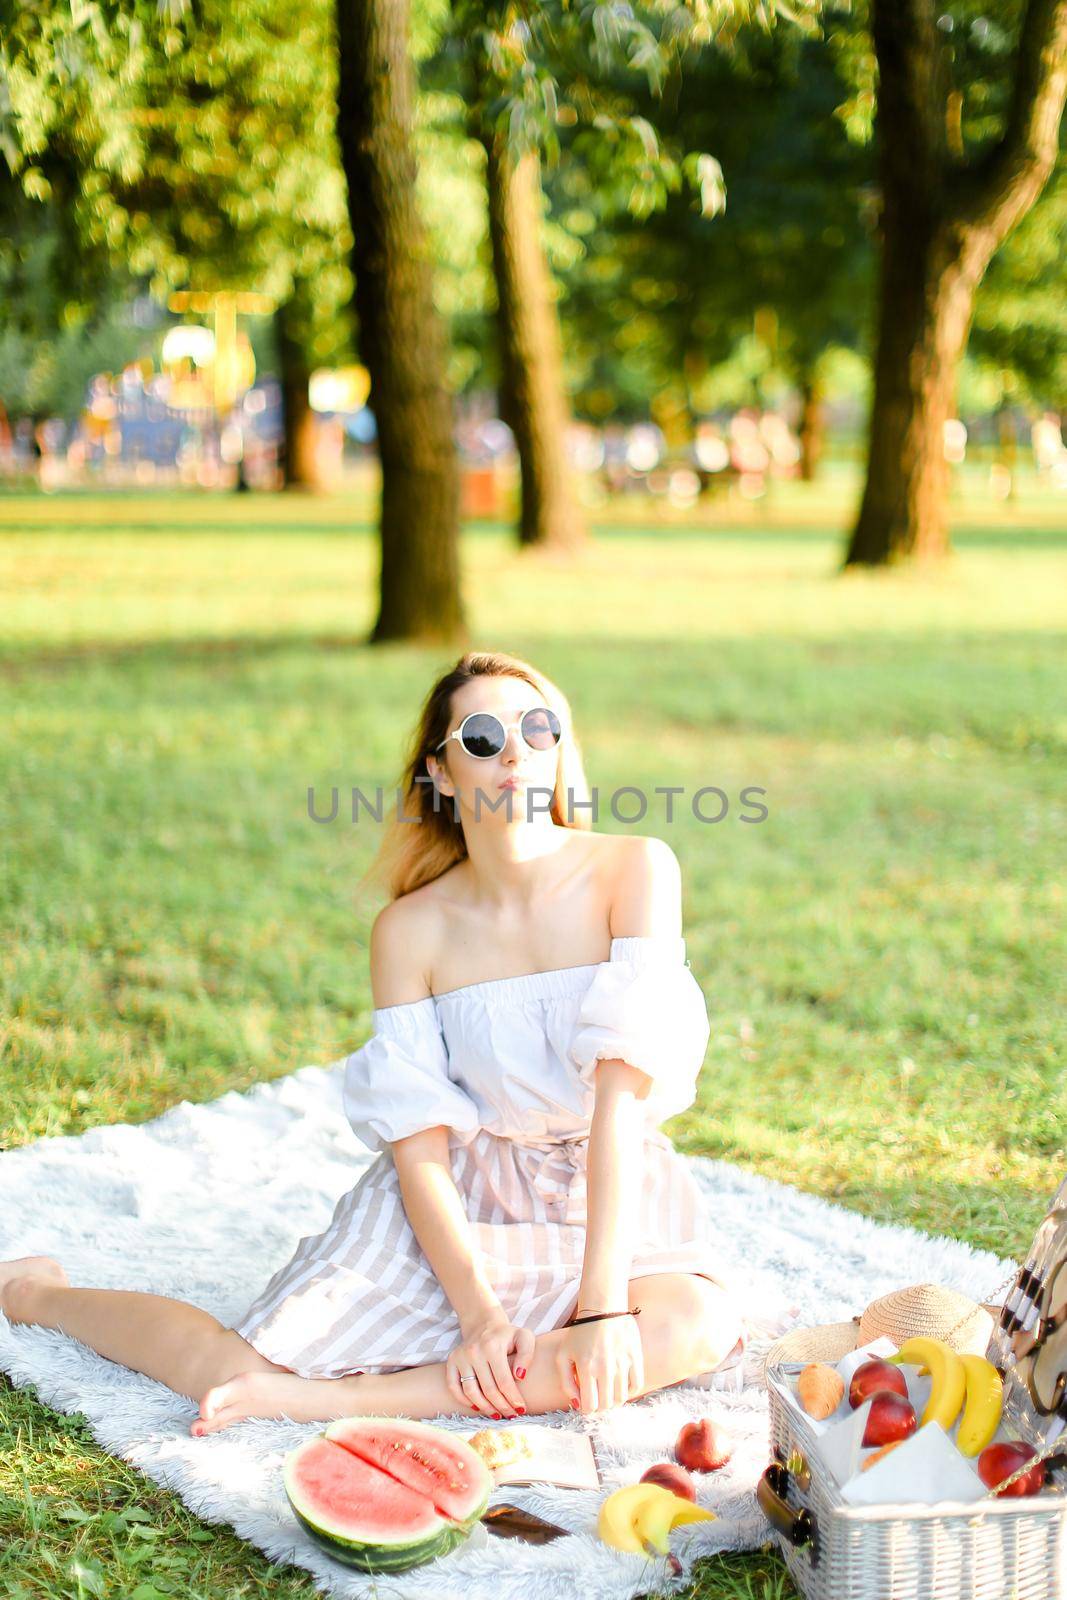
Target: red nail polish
x=521 y=1410
x=497 y=1417
x=520 y=1372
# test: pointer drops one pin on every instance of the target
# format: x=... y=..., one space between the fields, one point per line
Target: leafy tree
x=238 y=182
x=187 y=147
x=795 y=238
x=531 y=73
x=527 y=72
x=47 y=375
x=533 y=398
x=400 y=335
x=654 y=304
x=531 y=389
x=1018 y=315
x=967 y=121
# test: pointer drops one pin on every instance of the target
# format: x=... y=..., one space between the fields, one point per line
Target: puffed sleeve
x=398 y=1082
x=645 y=1007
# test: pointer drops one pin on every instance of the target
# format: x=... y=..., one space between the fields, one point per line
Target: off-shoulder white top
x=517 y=1056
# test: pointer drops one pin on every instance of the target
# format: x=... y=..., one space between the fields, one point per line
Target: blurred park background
x=711 y=358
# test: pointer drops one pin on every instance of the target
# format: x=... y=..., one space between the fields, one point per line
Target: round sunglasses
x=483 y=735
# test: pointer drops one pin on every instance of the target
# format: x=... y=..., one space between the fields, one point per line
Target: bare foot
x=42 y=1267
x=273 y=1394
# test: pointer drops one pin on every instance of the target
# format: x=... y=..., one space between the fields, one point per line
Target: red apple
x=872 y=1376
x=702 y=1447
x=999 y=1461
x=891 y=1417
x=668 y=1476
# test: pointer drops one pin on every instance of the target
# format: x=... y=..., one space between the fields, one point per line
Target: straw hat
x=922 y=1308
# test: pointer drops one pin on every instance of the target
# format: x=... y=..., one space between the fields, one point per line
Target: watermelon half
x=385 y=1493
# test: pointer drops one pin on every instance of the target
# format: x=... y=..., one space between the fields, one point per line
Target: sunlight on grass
x=109 y=571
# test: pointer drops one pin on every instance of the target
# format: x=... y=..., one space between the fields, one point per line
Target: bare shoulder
x=646 y=894
x=403 y=938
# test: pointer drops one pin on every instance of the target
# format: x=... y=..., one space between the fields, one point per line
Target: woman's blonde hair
x=414 y=853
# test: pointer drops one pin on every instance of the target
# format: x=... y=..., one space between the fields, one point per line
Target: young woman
x=527 y=1239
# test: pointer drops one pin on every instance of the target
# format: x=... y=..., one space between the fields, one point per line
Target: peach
x=671 y=1477
x=702 y=1447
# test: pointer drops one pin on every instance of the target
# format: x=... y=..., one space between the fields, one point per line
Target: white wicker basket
x=995 y=1549
x=989 y=1549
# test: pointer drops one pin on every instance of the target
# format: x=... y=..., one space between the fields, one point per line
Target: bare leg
x=688 y=1325
x=180 y=1345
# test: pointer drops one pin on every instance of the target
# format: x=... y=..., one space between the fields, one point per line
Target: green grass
x=879 y=956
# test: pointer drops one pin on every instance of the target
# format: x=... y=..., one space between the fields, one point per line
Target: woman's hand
x=487 y=1342
x=601 y=1364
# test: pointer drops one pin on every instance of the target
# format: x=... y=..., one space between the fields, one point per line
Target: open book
x=529 y=1452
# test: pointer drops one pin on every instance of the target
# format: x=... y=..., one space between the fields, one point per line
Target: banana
x=644 y=1514
x=656 y=1520
x=947 y=1371
x=985 y=1395
x=617 y=1519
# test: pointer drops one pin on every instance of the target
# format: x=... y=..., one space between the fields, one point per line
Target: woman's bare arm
x=614 y=1177
x=602 y=1362
x=438 y=1219
x=647 y=901
x=439 y=1222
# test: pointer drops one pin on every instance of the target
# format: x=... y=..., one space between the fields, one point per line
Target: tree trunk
x=812 y=426
x=299 y=470
x=942 y=221
x=401 y=339
x=927 y=298
x=533 y=398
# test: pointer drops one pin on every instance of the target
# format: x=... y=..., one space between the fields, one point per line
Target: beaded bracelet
x=598 y=1316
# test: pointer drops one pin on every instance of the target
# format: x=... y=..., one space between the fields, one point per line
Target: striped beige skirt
x=362 y=1297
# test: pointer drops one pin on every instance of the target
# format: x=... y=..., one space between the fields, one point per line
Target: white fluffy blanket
x=204 y=1202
